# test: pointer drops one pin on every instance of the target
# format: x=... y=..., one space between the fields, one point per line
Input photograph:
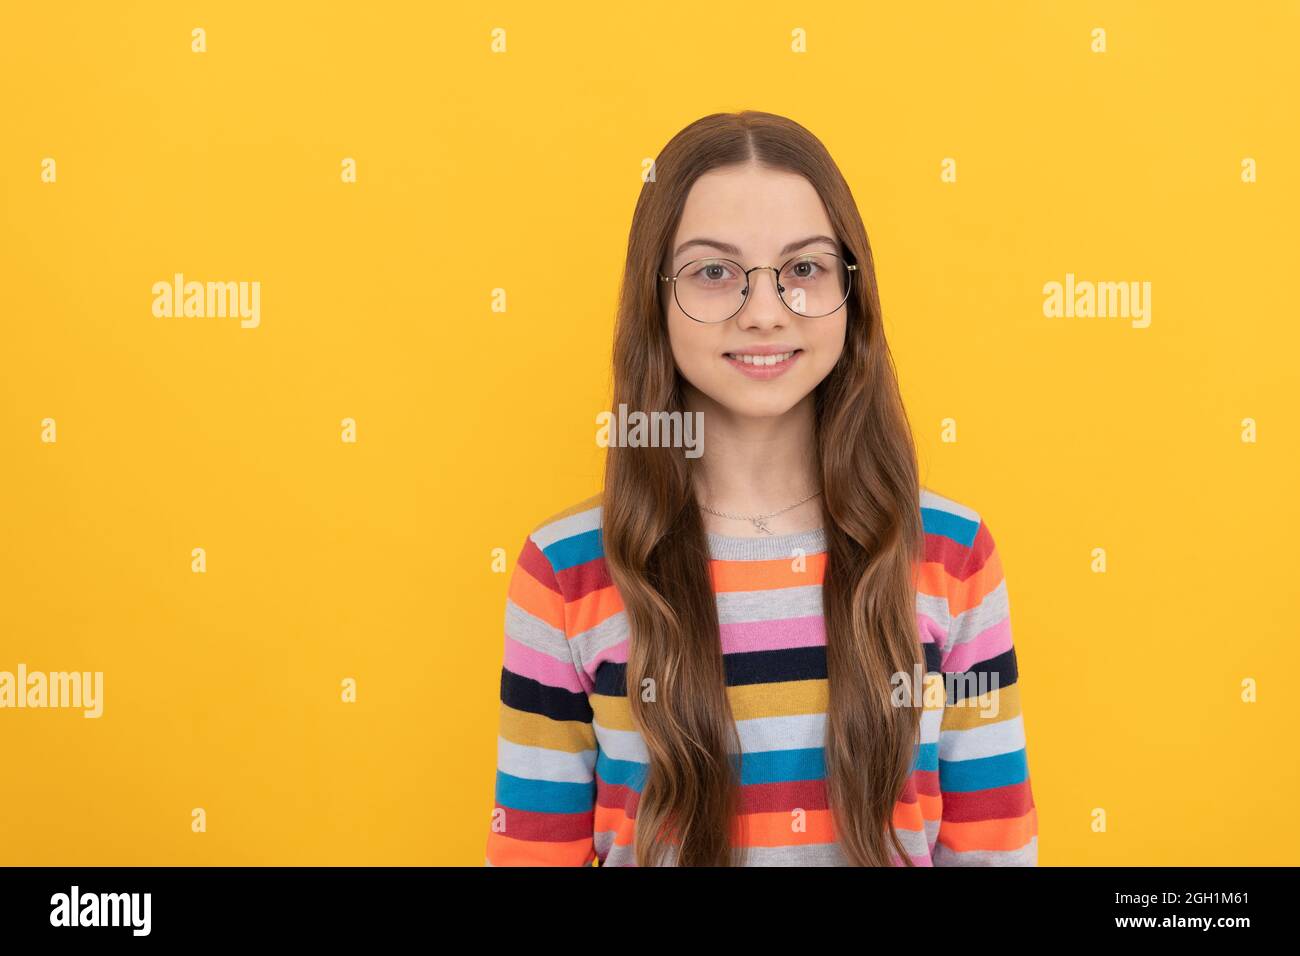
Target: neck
x=755 y=466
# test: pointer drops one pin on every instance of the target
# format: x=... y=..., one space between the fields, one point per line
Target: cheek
x=827 y=342
x=693 y=345
x=826 y=346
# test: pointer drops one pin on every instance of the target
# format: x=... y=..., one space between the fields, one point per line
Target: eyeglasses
x=713 y=290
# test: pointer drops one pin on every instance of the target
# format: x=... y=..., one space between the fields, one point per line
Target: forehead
x=755 y=209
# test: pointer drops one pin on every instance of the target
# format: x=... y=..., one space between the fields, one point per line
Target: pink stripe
x=766 y=636
x=932 y=631
x=526 y=662
x=990 y=642
x=615 y=654
x=773 y=635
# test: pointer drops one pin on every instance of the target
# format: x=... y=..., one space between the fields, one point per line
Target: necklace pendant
x=761 y=525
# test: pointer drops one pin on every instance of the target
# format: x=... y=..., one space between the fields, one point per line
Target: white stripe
x=937 y=502
x=562 y=528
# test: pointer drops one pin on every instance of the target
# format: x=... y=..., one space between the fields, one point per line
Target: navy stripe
x=982 y=676
x=534 y=697
x=753 y=667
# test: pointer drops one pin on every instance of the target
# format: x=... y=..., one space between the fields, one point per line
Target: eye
x=711 y=272
x=805 y=269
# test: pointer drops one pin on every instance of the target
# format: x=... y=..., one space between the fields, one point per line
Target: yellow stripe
x=536 y=730
x=968 y=714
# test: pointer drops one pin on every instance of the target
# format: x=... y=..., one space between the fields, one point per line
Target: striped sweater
x=570 y=760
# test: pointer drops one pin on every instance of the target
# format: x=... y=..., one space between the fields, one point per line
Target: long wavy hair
x=655 y=547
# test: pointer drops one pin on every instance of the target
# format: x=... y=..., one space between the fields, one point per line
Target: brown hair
x=657 y=554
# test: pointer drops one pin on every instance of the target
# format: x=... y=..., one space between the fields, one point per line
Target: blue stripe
x=983 y=773
x=574 y=550
x=781 y=766
x=581 y=548
x=962 y=530
x=544 y=796
x=620 y=773
x=768 y=766
x=927 y=757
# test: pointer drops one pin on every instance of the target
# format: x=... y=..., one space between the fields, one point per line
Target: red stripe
x=548 y=827
x=998 y=803
x=534 y=562
x=582 y=579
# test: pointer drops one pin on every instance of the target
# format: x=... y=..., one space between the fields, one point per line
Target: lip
x=774 y=349
x=763 y=371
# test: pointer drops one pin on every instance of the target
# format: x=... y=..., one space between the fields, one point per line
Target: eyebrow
x=735 y=251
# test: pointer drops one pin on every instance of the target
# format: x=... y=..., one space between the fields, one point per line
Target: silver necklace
x=760 y=521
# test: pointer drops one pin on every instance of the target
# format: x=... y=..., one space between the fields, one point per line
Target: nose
x=763 y=307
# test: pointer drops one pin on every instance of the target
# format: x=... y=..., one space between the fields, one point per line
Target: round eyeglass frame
x=850 y=267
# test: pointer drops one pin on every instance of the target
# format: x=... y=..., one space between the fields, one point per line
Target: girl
x=784 y=650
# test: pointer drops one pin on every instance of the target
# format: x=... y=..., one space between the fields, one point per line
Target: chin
x=746 y=399
x=771 y=405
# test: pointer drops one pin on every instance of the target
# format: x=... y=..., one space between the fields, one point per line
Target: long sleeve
x=989 y=818
x=546 y=748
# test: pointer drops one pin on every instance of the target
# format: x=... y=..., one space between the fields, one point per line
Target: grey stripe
x=969 y=624
x=739 y=607
x=536 y=762
x=1025 y=856
x=589 y=643
x=533 y=632
x=725 y=547
x=815 y=854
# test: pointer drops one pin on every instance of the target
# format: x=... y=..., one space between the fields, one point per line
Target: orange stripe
x=776 y=828
x=507 y=851
x=931 y=805
x=615 y=820
x=769 y=829
x=969 y=593
x=932 y=579
x=767 y=575
x=1010 y=834
x=593 y=608
x=908 y=816
x=536 y=598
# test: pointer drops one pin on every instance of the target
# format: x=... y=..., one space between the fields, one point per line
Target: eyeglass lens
x=713 y=290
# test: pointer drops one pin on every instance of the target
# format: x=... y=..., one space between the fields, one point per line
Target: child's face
x=760 y=213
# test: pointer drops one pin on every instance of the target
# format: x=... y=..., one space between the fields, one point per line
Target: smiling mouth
x=748 y=358
x=763 y=366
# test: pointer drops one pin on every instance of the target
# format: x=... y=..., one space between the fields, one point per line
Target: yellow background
x=520 y=170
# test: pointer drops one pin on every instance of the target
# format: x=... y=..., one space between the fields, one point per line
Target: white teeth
x=762 y=359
